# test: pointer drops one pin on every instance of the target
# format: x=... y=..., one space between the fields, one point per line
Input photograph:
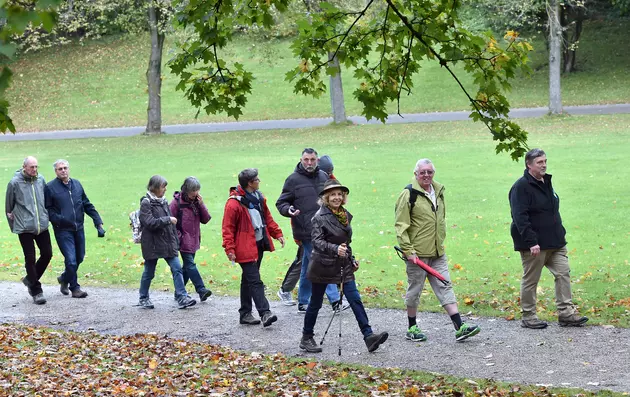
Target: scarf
x=340 y=214
x=162 y=199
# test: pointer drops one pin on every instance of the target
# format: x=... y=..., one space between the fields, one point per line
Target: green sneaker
x=466 y=331
x=414 y=333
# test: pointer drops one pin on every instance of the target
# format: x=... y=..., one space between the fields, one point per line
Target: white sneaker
x=286 y=298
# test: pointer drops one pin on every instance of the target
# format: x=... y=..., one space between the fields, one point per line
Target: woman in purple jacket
x=188 y=207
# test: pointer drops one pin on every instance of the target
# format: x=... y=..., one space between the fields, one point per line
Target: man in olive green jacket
x=421 y=230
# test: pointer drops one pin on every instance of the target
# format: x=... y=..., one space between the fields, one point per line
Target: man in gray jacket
x=28 y=218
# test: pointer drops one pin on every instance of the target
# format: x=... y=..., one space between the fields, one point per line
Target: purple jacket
x=189 y=217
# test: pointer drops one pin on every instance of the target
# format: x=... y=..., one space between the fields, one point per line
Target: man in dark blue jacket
x=67 y=203
x=538 y=235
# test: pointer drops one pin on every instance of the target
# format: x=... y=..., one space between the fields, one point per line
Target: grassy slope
x=102 y=84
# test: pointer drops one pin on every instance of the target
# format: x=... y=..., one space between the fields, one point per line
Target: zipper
x=74 y=212
x=36 y=208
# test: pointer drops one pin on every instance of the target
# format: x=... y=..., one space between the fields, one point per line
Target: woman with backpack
x=189 y=209
x=159 y=240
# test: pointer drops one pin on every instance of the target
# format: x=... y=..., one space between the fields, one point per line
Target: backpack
x=136 y=226
x=413 y=196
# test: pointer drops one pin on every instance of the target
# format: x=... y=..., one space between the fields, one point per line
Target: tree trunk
x=570 y=54
x=336 y=93
x=555 y=48
x=154 y=75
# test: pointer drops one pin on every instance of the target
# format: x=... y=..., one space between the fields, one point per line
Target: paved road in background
x=300 y=123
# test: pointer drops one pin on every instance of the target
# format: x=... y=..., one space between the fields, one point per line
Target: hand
x=100 y=230
x=199 y=198
x=281 y=240
x=535 y=250
x=10 y=216
x=294 y=211
x=231 y=256
x=355 y=265
x=173 y=220
x=412 y=258
x=342 y=249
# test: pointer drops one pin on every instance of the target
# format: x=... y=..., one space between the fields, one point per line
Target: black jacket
x=68 y=204
x=159 y=235
x=301 y=190
x=327 y=235
x=535 y=214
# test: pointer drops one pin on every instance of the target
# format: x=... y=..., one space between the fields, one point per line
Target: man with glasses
x=421 y=230
x=538 y=235
x=67 y=203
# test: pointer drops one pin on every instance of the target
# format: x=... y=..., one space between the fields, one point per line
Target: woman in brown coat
x=332 y=262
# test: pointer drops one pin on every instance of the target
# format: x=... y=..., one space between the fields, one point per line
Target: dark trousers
x=35 y=268
x=252 y=287
x=293 y=273
x=190 y=272
x=72 y=247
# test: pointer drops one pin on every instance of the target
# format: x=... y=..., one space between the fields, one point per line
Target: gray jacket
x=25 y=200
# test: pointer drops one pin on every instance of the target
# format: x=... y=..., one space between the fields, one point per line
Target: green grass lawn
x=587 y=156
x=103 y=83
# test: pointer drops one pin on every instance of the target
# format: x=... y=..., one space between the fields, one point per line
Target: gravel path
x=591 y=357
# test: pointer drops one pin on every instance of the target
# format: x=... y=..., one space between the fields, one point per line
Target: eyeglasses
x=427 y=172
x=62 y=168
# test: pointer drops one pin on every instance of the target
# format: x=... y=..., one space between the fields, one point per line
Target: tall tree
x=555 y=45
x=157 y=16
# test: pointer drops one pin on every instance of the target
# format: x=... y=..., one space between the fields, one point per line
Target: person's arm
x=147 y=220
x=519 y=206
x=318 y=237
x=403 y=221
x=204 y=214
x=54 y=214
x=89 y=208
x=228 y=228
x=286 y=199
x=9 y=204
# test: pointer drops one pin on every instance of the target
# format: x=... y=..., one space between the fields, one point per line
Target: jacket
x=327 y=235
x=67 y=204
x=189 y=216
x=159 y=235
x=301 y=190
x=424 y=230
x=237 y=229
x=535 y=209
x=25 y=200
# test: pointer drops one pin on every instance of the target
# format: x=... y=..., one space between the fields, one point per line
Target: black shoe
x=27 y=284
x=268 y=318
x=204 y=295
x=301 y=309
x=63 y=286
x=146 y=303
x=308 y=343
x=78 y=293
x=39 y=299
x=186 y=301
x=249 y=319
x=375 y=340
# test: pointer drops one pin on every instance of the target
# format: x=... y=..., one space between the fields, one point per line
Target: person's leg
x=79 y=244
x=147 y=277
x=27 y=241
x=352 y=296
x=532 y=269
x=317 y=298
x=558 y=265
x=66 y=243
x=292 y=276
x=45 y=253
x=415 y=284
x=332 y=292
x=190 y=272
x=304 y=292
x=178 y=279
x=444 y=293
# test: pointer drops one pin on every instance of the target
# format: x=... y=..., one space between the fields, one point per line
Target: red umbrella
x=431 y=271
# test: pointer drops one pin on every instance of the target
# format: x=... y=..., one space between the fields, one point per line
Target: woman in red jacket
x=247 y=231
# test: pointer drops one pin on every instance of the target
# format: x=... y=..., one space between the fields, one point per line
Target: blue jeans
x=351 y=294
x=149 y=273
x=305 y=290
x=190 y=272
x=72 y=247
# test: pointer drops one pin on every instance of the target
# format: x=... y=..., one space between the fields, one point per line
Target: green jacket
x=423 y=232
x=25 y=200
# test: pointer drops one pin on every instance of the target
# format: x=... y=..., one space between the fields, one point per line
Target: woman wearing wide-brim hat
x=332 y=262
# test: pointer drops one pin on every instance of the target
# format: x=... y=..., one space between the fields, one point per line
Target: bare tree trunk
x=336 y=94
x=555 y=48
x=154 y=75
x=570 y=54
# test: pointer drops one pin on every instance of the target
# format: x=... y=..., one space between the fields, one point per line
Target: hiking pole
x=334 y=311
x=340 y=308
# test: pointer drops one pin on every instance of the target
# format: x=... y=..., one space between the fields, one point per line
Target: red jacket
x=238 y=232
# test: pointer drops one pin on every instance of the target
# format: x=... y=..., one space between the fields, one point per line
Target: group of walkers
x=325 y=264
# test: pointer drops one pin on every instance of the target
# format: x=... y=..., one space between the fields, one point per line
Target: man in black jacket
x=538 y=235
x=67 y=203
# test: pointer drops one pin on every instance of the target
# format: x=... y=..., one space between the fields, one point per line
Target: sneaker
x=268 y=318
x=415 y=334
x=308 y=343
x=574 y=320
x=375 y=340
x=145 y=303
x=205 y=294
x=249 y=319
x=338 y=308
x=186 y=301
x=533 y=323
x=78 y=293
x=63 y=286
x=286 y=298
x=39 y=299
x=301 y=309
x=466 y=331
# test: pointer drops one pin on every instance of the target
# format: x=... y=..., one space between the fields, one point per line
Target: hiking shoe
x=301 y=309
x=78 y=293
x=466 y=331
x=268 y=318
x=338 y=308
x=186 y=301
x=286 y=298
x=375 y=340
x=63 y=286
x=249 y=319
x=574 y=320
x=204 y=295
x=533 y=323
x=415 y=334
x=146 y=303
x=25 y=281
x=308 y=343
x=39 y=299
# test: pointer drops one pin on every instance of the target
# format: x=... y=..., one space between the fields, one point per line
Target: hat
x=333 y=184
x=326 y=164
